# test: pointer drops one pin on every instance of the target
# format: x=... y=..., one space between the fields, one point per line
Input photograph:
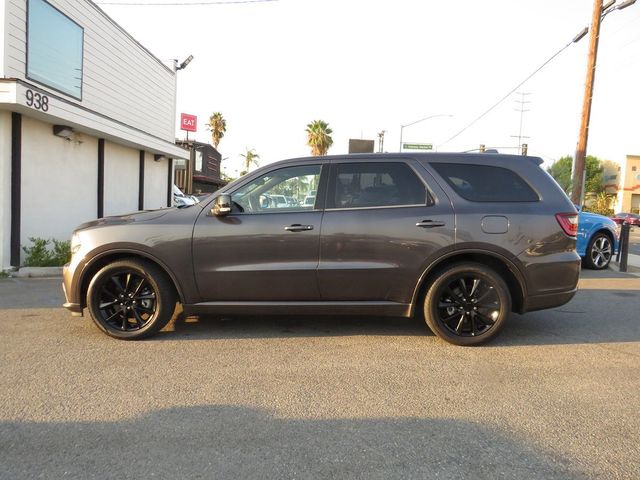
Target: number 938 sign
x=37 y=100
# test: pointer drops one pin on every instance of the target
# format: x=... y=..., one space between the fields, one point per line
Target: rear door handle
x=430 y=224
x=296 y=227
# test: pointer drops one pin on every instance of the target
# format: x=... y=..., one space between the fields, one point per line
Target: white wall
x=155 y=183
x=3 y=34
x=5 y=188
x=121 y=179
x=121 y=79
x=59 y=182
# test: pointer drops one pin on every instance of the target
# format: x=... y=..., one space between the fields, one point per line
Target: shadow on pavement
x=291 y=326
x=593 y=316
x=239 y=442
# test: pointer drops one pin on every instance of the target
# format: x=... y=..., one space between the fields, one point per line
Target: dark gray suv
x=463 y=239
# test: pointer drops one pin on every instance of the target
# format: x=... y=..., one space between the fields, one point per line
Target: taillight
x=568 y=222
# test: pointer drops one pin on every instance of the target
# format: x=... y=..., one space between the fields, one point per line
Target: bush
x=39 y=255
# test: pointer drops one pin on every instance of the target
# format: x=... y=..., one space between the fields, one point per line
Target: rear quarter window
x=484 y=183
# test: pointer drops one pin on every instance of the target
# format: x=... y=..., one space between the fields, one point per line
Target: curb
x=37 y=272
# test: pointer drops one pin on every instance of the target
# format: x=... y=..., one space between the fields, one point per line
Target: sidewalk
x=633 y=264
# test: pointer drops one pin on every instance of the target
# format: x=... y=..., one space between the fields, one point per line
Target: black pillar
x=100 y=177
x=16 y=187
x=141 y=182
x=170 y=182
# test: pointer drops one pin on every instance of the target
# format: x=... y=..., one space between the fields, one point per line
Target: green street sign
x=418 y=146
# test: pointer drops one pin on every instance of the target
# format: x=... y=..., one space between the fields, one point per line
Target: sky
x=365 y=66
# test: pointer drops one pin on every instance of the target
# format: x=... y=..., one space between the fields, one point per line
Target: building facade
x=201 y=173
x=623 y=181
x=87 y=122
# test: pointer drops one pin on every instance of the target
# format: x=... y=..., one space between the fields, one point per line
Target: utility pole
x=522 y=110
x=381 y=141
x=581 y=149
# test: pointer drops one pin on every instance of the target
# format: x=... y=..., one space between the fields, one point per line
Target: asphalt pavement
x=554 y=397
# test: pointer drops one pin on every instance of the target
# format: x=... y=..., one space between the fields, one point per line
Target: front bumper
x=74 y=308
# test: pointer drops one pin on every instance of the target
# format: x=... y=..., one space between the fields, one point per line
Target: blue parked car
x=597 y=240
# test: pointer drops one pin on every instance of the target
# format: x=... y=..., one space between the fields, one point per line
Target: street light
x=418 y=121
x=600 y=11
x=184 y=64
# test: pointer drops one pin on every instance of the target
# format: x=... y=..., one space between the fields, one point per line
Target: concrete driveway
x=556 y=396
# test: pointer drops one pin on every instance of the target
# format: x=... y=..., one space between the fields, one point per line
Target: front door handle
x=430 y=224
x=296 y=227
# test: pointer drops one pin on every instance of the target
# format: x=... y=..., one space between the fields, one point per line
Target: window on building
x=483 y=183
x=633 y=169
x=54 y=49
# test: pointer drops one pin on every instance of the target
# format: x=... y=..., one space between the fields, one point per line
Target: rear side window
x=484 y=183
x=361 y=185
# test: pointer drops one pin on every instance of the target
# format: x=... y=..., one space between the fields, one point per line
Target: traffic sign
x=418 y=146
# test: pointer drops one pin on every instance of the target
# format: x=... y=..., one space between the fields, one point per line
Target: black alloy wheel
x=130 y=299
x=599 y=252
x=467 y=304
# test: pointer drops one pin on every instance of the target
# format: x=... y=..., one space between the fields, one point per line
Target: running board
x=382 y=309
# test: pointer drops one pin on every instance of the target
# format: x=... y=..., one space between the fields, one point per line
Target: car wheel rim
x=468 y=306
x=127 y=301
x=601 y=252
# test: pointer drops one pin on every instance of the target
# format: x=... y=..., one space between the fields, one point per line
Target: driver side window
x=289 y=189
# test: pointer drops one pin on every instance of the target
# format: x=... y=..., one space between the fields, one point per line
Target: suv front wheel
x=131 y=299
x=467 y=304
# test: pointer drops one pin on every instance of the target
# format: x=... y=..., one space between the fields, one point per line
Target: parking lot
x=555 y=396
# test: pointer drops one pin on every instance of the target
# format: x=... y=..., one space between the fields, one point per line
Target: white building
x=87 y=118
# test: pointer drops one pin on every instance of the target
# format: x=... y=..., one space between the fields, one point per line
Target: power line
x=185 y=4
x=574 y=40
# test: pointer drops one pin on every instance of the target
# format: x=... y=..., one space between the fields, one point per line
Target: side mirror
x=222 y=205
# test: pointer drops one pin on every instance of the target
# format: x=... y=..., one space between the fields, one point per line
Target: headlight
x=75 y=243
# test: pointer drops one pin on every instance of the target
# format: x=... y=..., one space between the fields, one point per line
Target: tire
x=131 y=299
x=467 y=304
x=599 y=252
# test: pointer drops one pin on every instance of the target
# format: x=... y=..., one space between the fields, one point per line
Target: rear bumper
x=552 y=279
x=549 y=300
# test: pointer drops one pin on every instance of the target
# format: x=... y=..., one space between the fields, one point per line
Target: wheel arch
x=604 y=230
x=503 y=266
x=99 y=261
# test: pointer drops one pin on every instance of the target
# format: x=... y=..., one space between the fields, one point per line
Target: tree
x=218 y=126
x=250 y=158
x=319 y=137
x=561 y=171
x=601 y=204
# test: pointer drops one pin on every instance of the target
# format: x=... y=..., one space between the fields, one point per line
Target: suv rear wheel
x=467 y=304
x=131 y=299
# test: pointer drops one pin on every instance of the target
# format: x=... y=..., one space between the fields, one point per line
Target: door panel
x=378 y=253
x=253 y=257
x=267 y=248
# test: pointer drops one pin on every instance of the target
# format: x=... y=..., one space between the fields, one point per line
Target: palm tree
x=319 y=137
x=218 y=125
x=250 y=158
